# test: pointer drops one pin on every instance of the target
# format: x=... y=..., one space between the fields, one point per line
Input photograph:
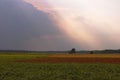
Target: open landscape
x=59 y=40
x=35 y=66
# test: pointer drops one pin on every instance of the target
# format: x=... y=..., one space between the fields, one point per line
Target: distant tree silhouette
x=73 y=51
x=91 y=52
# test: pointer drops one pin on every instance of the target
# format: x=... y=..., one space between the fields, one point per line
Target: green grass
x=10 y=70
x=20 y=56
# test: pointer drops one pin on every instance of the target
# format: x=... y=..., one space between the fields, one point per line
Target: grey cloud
x=20 y=21
x=23 y=27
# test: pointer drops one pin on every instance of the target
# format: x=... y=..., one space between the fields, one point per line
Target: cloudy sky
x=59 y=24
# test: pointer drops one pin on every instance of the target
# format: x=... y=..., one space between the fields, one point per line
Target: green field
x=11 y=70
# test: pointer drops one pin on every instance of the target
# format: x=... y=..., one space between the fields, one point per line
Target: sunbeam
x=83 y=20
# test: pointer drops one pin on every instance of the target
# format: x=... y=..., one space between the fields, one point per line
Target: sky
x=59 y=24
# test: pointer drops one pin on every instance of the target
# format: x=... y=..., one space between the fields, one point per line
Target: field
x=59 y=66
x=77 y=58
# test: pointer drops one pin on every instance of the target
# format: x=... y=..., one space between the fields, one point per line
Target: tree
x=73 y=51
x=91 y=52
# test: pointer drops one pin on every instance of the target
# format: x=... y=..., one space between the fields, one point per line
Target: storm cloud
x=22 y=27
x=59 y=25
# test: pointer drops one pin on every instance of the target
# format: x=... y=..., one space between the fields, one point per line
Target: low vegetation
x=11 y=70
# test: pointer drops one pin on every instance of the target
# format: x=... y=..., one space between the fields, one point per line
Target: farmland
x=25 y=67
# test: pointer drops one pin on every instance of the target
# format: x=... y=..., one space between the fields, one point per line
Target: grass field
x=12 y=70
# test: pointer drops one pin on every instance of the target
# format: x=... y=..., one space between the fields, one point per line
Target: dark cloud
x=20 y=21
x=23 y=27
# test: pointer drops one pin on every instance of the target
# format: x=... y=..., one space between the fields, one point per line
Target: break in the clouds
x=59 y=24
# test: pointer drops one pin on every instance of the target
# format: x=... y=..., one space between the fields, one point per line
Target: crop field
x=77 y=58
x=32 y=66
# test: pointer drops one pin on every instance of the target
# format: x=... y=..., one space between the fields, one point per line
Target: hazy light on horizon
x=94 y=23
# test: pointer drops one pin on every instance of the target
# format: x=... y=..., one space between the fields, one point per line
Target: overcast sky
x=59 y=24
